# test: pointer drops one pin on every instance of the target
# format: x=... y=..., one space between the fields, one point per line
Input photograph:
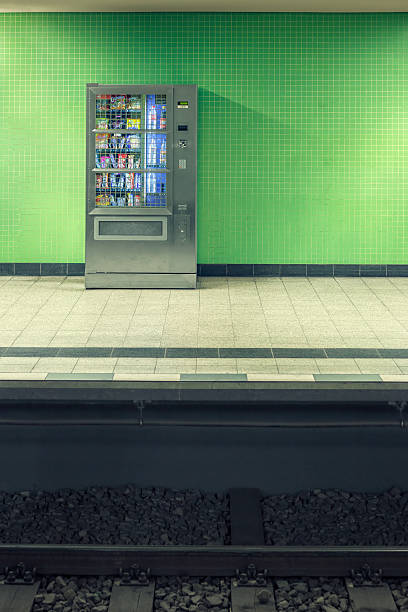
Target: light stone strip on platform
x=210 y=376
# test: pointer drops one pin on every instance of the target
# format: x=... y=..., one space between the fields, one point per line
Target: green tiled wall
x=303 y=129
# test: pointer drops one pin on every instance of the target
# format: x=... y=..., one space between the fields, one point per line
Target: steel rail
x=247 y=425
x=206 y=560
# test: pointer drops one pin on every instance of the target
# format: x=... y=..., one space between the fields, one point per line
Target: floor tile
x=243 y=353
x=105 y=340
x=281 y=377
x=217 y=365
x=378 y=366
x=211 y=341
x=176 y=365
x=204 y=376
x=21 y=360
x=192 y=352
x=166 y=376
x=333 y=366
x=139 y=352
x=80 y=376
x=42 y=339
x=55 y=364
x=179 y=341
x=257 y=365
x=254 y=341
x=136 y=366
x=131 y=341
x=70 y=339
x=23 y=375
x=17 y=367
x=391 y=353
x=352 y=353
x=95 y=365
x=296 y=353
x=347 y=378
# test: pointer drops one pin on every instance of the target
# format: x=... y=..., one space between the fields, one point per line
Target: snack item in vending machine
x=118 y=103
x=97 y=162
x=134 y=103
x=122 y=142
x=113 y=160
x=98 y=181
x=121 y=201
x=130 y=180
x=122 y=160
x=133 y=141
x=105 y=181
x=105 y=161
x=102 y=102
x=130 y=199
x=137 y=199
x=102 y=123
x=133 y=124
x=102 y=141
x=121 y=181
x=117 y=123
x=130 y=161
x=102 y=200
x=112 y=200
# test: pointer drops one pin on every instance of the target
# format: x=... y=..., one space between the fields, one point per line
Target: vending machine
x=141 y=186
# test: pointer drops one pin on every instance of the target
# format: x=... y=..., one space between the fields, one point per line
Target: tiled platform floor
x=246 y=313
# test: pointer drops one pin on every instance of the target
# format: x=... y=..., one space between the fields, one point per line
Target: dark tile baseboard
x=42 y=269
x=302 y=270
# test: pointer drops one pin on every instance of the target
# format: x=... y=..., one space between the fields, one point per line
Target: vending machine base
x=140 y=281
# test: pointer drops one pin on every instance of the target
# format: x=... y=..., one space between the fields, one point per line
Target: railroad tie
x=250 y=591
x=17 y=597
x=371 y=598
x=246 y=517
x=132 y=598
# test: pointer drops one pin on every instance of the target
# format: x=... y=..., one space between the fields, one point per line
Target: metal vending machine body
x=141 y=186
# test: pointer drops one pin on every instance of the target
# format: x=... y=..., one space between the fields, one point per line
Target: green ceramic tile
x=302 y=130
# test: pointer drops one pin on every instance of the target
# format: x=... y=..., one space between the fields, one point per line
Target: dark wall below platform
x=275 y=460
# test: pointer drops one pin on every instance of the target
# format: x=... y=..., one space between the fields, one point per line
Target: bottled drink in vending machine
x=163 y=155
x=152 y=118
x=151 y=182
x=163 y=120
x=151 y=154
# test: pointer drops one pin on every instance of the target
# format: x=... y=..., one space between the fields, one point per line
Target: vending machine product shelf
x=141 y=196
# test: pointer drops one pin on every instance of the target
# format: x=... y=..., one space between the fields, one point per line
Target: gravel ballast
x=337 y=518
x=172 y=594
x=120 y=515
x=399 y=590
x=304 y=594
x=73 y=593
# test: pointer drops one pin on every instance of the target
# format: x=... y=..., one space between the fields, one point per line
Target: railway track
x=250 y=564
